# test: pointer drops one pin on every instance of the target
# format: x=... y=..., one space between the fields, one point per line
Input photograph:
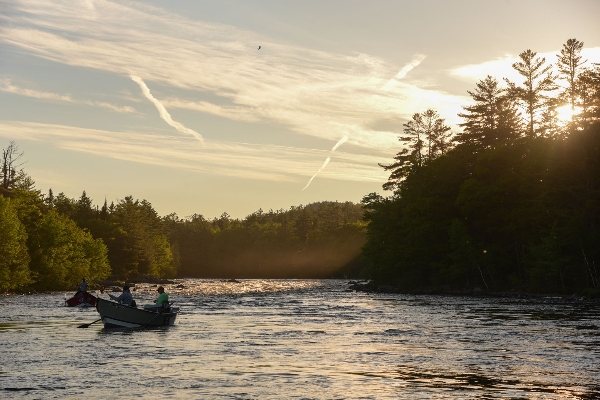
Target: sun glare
x=566 y=113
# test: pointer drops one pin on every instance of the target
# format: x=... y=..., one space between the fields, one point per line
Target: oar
x=88 y=325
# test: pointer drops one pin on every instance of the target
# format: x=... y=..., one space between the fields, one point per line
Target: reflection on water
x=304 y=339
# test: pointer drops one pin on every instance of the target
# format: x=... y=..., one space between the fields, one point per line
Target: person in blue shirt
x=125 y=298
x=83 y=287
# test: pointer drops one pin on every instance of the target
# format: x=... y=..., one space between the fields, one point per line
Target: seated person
x=163 y=297
x=161 y=302
x=125 y=298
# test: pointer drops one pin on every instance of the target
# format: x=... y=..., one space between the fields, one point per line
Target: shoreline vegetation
x=511 y=204
x=365 y=286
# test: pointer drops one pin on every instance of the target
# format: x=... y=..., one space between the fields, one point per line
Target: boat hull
x=83 y=299
x=115 y=315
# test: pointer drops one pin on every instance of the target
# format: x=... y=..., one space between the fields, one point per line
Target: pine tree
x=427 y=138
x=533 y=94
x=569 y=66
x=49 y=200
x=492 y=118
x=588 y=84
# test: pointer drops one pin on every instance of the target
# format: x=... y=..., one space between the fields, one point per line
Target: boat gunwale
x=140 y=314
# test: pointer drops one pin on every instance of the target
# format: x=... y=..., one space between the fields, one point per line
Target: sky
x=172 y=101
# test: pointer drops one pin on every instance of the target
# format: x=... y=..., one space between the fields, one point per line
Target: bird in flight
x=258 y=47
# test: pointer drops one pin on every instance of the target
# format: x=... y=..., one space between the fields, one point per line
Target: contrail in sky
x=416 y=60
x=338 y=144
x=316 y=173
x=162 y=111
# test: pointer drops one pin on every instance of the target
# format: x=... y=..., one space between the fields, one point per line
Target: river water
x=304 y=339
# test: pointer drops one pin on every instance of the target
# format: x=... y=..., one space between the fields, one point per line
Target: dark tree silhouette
x=533 y=94
x=492 y=118
x=569 y=65
x=427 y=137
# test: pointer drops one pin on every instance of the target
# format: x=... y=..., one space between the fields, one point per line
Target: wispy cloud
x=7 y=86
x=502 y=67
x=162 y=111
x=264 y=162
x=312 y=92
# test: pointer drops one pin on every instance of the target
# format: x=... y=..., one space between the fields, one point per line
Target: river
x=304 y=339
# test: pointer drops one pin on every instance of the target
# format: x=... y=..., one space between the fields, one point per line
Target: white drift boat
x=115 y=315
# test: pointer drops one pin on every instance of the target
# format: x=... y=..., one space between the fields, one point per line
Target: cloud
x=162 y=111
x=314 y=93
x=502 y=67
x=235 y=113
x=7 y=86
x=243 y=160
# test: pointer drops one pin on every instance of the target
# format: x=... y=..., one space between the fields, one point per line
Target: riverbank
x=374 y=287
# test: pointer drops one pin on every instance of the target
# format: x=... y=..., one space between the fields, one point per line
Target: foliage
x=14 y=258
x=569 y=65
x=317 y=240
x=41 y=248
x=515 y=205
x=532 y=93
x=502 y=210
x=63 y=253
x=427 y=138
x=492 y=119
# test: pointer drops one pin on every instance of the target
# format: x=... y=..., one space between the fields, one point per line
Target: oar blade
x=88 y=325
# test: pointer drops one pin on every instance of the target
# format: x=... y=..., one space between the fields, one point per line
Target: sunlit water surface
x=304 y=339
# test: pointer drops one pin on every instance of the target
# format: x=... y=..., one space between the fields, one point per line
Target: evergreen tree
x=84 y=211
x=569 y=66
x=427 y=138
x=492 y=119
x=104 y=211
x=589 y=93
x=533 y=93
x=65 y=205
x=139 y=245
x=49 y=200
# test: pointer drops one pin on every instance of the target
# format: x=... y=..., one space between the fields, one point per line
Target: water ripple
x=304 y=339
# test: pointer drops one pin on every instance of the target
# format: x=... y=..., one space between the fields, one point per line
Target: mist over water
x=304 y=339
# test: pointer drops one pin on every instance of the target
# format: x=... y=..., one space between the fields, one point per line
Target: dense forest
x=510 y=203
x=49 y=242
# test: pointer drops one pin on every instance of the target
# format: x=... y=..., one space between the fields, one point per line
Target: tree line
x=510 y=203
x=49 y=242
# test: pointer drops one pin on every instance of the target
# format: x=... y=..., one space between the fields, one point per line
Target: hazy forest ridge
x=511 y=202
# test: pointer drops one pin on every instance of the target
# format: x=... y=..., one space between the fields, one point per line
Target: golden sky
x=172 y=101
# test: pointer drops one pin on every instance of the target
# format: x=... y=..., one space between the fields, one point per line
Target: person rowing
x=83 y=287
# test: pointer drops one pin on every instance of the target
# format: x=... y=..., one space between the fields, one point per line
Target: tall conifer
x=533 y=93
